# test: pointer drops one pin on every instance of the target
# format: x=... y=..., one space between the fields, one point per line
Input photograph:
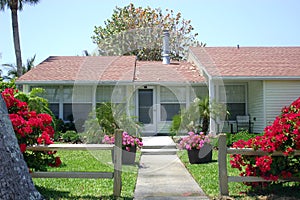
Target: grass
x=207 y=177
x=85 y=189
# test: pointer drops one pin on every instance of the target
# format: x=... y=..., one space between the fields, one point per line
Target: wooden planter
x=128 y=157
x=203 y=155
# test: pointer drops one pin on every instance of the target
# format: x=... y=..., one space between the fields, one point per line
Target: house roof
x=81 y=68
x=70 y=69
x=155 y=71
x=258 y=62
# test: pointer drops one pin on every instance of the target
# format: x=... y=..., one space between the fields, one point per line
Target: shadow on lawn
x=276 y=191
x=56 y=194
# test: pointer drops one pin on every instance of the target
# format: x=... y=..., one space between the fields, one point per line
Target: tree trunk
x=15 y=27
x=15 y=180
x=205 y=125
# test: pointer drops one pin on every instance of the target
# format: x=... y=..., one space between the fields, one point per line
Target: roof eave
x=256 y=78
x=71 y=82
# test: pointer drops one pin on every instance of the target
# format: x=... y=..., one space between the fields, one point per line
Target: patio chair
x=243 y=123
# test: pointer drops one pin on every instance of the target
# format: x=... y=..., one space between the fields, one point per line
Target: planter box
x=203 y=155
x=128 y=157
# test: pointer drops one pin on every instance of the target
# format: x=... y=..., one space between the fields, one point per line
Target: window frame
x=244 y=85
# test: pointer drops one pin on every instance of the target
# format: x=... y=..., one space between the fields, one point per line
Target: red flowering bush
x=283 y=135
x=31 y=128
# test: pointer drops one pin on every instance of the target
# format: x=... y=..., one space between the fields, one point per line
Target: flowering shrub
x=194 y=141
x=31 y=128
x=128 y=141
x=283 y=135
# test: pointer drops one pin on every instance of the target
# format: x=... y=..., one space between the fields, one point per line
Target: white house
x=152 y=91
x=254 y=81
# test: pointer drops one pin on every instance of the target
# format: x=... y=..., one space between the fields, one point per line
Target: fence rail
x=117 y=156
x=222 y=162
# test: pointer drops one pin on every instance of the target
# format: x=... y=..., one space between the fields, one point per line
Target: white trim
x=211 y=94
x=188 y=96
x=94 y=96
x=256 y=78
x=26 y=89
x=264 y=104
x=61 y=102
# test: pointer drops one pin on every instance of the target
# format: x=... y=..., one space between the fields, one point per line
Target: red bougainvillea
x=283 y=135
x=31 y=128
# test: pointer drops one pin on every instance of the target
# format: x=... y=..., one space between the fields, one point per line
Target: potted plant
x=129 y=145
x=198 y=147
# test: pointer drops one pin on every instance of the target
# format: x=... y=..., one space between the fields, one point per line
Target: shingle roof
x=155 y=71
x=57 y=69
x=82 y=68
x=249 y=61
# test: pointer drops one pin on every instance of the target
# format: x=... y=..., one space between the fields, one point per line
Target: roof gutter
x=54 y=82
x=256 y=78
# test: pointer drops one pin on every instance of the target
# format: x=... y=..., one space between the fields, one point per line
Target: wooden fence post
x=222 y=161
x=118 y=163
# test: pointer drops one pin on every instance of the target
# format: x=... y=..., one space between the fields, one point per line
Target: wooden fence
x=222 y=161
x=116 y=174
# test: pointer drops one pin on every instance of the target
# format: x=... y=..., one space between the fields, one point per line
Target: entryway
x=146 y=110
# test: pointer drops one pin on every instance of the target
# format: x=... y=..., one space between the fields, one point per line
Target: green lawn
x=207 y=177
x=87 y=188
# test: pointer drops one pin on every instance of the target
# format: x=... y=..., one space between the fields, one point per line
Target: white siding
x=279 y=94
x=256 y=105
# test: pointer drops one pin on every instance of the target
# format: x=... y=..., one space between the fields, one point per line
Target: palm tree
x=12 y=73
x=211 y=109
x=14 y=6
x=204 y=111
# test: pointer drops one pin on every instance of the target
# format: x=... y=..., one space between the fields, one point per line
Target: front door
x=146 y=110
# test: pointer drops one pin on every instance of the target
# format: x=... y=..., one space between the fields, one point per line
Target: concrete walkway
x=163 y=176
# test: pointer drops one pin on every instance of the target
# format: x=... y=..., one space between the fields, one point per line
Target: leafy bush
x=196 y=117
x=92 y=134
x=242 y=135
x=113 y=116
x=283 y=135
x=176 y=121
x=71 y=136
x=30 y=128
x=4 y=85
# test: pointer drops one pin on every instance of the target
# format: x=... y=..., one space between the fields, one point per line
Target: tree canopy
x=12 y=72
x=14 y=6
x=138 y=31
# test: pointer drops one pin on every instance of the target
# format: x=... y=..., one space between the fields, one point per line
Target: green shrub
x=113 y=116
x=176 y=121
x=92 y=132
x=242 y=135
x=71 y=136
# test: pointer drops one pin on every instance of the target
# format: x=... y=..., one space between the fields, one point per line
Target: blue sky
x=65 y=27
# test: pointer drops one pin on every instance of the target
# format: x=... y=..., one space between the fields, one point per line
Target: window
x=52 y=94
x=76 y=111
x=234 y=96
x=172 y=99
x=77 y=102
x=199 y=92
x=54 y=107
x=115 y=94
